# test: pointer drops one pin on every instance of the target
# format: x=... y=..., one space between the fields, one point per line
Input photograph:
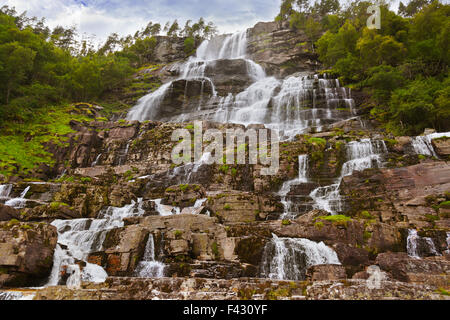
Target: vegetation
x=43 y=71
x=404 y=65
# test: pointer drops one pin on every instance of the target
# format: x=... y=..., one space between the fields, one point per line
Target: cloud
x=103 y=17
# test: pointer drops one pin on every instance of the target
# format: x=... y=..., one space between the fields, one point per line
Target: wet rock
x=442 y=146
x=183 y=195
x=398 y=196
x=7 y=213
x=324 y=272
x=432 y=270
x=354 y=259
x=243 y=206
x=26 y=253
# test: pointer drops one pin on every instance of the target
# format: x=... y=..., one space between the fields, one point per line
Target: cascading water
x=289 y=258
x=293 y=105
x=418 y=247
x=79 y=237
x=286 y=187
x=19 y=202
x=149 y=267
x=5 y=190
x=361 y=155
x=423 y=145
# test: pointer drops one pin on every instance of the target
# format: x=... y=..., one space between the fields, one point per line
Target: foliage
x=404 y=65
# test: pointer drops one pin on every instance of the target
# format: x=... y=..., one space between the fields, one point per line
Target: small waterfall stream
x=422 y=144
x=286 y=187
x=19 y=202
x=289 y=258
x=419 y=247
x=361 y=155
x=149 y=267
x=79 y=237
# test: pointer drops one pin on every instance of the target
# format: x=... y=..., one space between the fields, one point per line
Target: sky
x=103 y=17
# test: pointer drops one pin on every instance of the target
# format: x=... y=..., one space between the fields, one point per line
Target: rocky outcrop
x=404 y=197
x=7 y=213
x=26 y=253
x=281 y=50
x=240 y=289
x=431 y=271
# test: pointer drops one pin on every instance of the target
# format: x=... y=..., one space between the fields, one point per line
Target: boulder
x=7 y=213
x=432 y=270
x=26 y=253
x=442 y=146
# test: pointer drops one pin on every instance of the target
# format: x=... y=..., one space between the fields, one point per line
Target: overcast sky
x=103 y=17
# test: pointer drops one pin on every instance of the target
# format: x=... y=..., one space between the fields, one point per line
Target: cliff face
x=281 y=50
x=354 y=212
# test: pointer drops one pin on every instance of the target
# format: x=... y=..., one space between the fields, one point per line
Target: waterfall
x=423 y=145
x=289 y=258
x=79 y=237
x=233 y=47
x=5 y=190
x=448 y=243
x=149 y=267
x=361 y=155
x=286 y=187
x=124 y=155
x=293 y=105
x=418 y=246
x=97 y=159
x=19 y=202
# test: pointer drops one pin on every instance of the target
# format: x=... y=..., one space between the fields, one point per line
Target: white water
x=448 y=243
x=287 y=105
x=418 y=246
x=19 y=202
x=79 y=237
x=5 y=190
x=289 y=258
x=423 y=145
x=16 y=295
x=361 y=155
x=149 y=267
x=97 y=159
x=286 y=187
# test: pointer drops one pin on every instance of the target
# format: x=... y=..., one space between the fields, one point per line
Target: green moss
x=224 y=168
x=215 y=249
x=278 y=293
x=285 y=222
x=336 y=219
x=367 y=235
x=86 y=179
x=55 y=205
x=318 y=225
x=227 y=207
x=317 y=141
x=178 y=234
x=445 y=205
x=366 y=215
x=443 y=291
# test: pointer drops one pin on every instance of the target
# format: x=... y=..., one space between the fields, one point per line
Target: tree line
x=41 y=67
